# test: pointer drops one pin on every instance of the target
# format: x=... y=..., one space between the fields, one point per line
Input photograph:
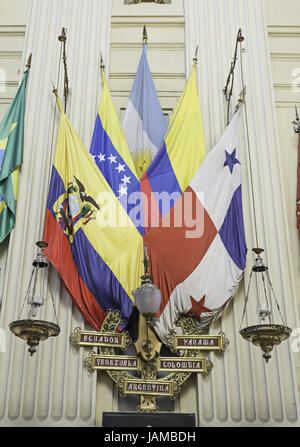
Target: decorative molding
x=154 y=76
x=150 y=46
x=11 y=54
x=287 y=104
x=12 y=84
x=283 y=86
x=285 y=57
x=149 y=21
x=283 y=31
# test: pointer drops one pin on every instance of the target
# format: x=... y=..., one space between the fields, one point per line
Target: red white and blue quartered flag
x=144 y=124
x=199 y=263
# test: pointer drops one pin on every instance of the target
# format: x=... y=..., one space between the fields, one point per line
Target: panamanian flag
x=144 y=124
x=198 y=265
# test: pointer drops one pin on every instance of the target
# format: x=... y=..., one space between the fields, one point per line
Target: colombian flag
x=94 y=246
x=111 y=154
x=180 y=156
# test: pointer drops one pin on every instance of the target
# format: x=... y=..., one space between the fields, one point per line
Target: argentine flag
x=144 y=124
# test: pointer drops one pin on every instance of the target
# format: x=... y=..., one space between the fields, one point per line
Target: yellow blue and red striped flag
x=93 y=244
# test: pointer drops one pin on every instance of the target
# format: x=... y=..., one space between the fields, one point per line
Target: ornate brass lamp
x=34 y=331
x=267 y=334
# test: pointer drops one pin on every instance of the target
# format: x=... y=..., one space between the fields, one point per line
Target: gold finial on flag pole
x=296 y=123
x=195 y=58
x=145 y=35
x=28 y=65
x=54 y=89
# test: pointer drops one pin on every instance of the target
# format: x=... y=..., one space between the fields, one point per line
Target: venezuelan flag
x=181 y=155
x=93 y=244
x=11 y=157
x=111 y=154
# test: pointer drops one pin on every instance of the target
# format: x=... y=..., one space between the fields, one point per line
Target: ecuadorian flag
x=94 y=246
x=11 y=157
x=111 y=154
x=180 y=156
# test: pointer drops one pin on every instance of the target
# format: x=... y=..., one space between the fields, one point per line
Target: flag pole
x=195 y=58
x=28 y=65
x=63 y=38
x=102 y=66
x=296 y=123
x=228 y=92
x=54 y=90
x=243 y=100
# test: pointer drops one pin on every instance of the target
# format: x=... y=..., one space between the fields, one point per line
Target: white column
x=51 y=387
x=242 y=388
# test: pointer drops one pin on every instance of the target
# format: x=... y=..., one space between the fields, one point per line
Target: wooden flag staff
x=228 y=89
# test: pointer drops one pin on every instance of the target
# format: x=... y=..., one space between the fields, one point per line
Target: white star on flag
x=122 y=191
x=126 y=180
x=120 y=168
x=94 y=157
x=101 y=157
x=113 y=159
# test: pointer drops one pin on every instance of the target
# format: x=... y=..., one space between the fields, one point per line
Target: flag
x=298 y=188
x=11 y=157
x=111 y=154
x=95 y=248
x=198 y=264
x=144 y=123
x=180 y=156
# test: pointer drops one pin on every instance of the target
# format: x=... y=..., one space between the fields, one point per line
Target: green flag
x=11 y=157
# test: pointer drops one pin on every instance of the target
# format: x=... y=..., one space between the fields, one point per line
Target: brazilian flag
x=11 y=157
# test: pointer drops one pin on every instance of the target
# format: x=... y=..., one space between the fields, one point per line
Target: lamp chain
x=246 y=300
x=277 y=305
x=27 y=293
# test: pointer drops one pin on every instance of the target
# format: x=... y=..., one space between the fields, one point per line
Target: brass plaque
x=202 y=342
x=114 y=362
x=185 y=364
x=150 y=387
x=109 y=340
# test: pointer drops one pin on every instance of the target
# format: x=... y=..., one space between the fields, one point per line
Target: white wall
x=242 y=389
x=52 y=388
x=283 y=22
